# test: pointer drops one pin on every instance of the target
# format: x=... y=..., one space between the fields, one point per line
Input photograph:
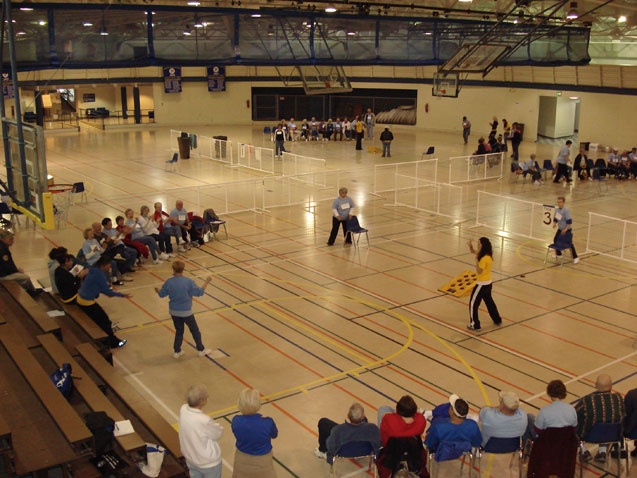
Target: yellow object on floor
x=460 y=285
x=374 y=149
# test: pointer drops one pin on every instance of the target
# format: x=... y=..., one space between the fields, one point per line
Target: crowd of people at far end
x=339 y=129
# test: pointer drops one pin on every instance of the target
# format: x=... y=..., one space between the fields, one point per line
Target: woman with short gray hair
x=199 y=435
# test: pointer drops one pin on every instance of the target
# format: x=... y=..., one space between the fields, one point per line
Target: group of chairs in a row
x=553 y=453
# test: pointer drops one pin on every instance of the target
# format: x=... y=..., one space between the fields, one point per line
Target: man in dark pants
x=562 y=162
x=332 y=435
x=564 y=223
x=96 y=283
x=386 y=137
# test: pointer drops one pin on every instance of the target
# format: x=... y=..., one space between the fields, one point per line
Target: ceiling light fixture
x=194 y=3
x=622 y=19
x=331 y=9
x=26 y=9
x=572 y=13
x=465 y=1
x=87 y=24
x=256 y=15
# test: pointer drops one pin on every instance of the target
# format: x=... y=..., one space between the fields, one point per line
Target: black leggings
x=100 y=317
x=479 y=293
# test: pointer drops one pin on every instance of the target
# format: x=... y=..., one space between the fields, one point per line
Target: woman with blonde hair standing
x=254 y=434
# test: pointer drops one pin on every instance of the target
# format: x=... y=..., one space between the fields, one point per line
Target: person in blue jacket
x=180 y=290
x=94 y=284
x=254 y=434
x=342 y=210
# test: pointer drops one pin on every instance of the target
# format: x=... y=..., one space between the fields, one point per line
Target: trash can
x=220 y=146
x=184 y=146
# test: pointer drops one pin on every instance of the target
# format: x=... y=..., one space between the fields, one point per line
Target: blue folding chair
x=503 y=446
x=604 y=434
x=356 y=450
x=353 y=227
x=547 y=166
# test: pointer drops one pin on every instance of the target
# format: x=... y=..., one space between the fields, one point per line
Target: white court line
x=172 y=414
x=579 y=377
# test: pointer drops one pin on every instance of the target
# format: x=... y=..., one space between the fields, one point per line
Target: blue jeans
x=214 y=472
x=179 y=323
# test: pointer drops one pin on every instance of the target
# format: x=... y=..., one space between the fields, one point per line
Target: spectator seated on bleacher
x=332 y=436
x=8 y=269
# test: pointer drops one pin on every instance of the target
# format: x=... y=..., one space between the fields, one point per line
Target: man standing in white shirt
x=199 y=435
x=369 y=119
x=562 y=162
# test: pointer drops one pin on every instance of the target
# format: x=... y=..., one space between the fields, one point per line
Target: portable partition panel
x=612 y=237
x=474 y=168
x=515 y=216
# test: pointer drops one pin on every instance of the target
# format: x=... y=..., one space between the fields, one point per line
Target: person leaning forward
x=342 y=210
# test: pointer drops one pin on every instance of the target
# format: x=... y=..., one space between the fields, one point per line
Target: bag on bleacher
x=102 y=426
x=63 y=380
x=154 y=459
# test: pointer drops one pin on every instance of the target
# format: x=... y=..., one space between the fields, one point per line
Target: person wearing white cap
x=506 y=420
x=455 y=428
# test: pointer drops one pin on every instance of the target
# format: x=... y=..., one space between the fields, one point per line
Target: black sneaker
x=473 y=327
x=35 y=292
x=622 y=453
x=586 y=456
x=600 y=457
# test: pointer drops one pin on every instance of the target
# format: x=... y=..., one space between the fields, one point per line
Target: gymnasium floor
x=315 y=328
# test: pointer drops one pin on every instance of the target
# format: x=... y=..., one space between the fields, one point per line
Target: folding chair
x=547 y=166
x=564 y=242
x=172 y=163
x=516 y=172
x=503 y=446
x=78 y=188
x=402 y=452
x=211 y=219
x=429 y=153
x=353 y=227
x=603 y=434
x=599 y=177
x=356 y=450
x=448 y=451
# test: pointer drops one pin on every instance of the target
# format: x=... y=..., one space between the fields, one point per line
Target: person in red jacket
x=404 y=422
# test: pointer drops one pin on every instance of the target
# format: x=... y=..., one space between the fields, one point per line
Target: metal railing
x=473 y=168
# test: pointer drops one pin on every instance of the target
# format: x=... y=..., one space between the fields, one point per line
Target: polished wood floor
x=315 y=328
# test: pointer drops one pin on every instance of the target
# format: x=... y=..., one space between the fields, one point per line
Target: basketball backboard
x=475 y=58
x=324 y=79
x=445 y=85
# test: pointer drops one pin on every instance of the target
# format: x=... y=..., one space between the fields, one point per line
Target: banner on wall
x=88 y=98
x=8 y=91
x=172 y=79
x=217 y=78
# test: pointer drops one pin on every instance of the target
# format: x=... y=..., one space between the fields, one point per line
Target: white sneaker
x=171 y=255
x=538 y=183
x=204 y=352
x=195 y=244
x=157 y=262
x=181 y=249
x=163 y=256
x=176 y=355
x=576 y=260
x=320 y=454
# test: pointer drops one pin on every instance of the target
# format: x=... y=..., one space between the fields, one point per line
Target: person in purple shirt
x=254 y=434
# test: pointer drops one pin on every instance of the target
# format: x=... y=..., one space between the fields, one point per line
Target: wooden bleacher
x=66 y=418
x=45 y=323
x=151 y=418
x=90 y=392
